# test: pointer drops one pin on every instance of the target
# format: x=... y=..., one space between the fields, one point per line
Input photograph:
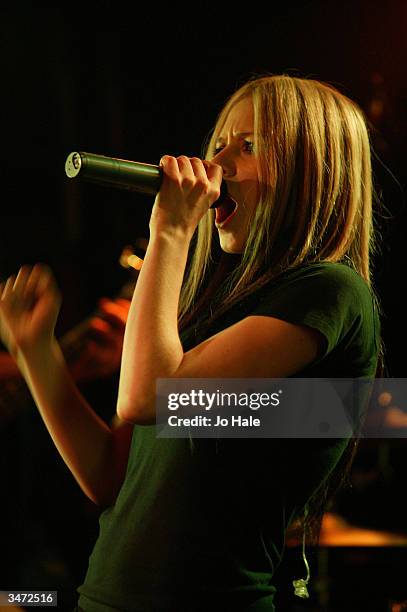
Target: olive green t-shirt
x=199 y=525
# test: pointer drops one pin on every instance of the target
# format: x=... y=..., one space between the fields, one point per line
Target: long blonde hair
x=316 y=188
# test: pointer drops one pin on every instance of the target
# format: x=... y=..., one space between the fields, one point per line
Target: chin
x=231 y=245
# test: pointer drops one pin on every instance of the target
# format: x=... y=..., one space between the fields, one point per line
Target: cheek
x=252 y=190
x=251 y=200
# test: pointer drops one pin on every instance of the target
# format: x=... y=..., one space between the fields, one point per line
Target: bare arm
x=254 y=347
x=94 y=452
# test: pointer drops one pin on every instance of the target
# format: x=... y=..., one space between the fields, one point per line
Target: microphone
x=120 y=173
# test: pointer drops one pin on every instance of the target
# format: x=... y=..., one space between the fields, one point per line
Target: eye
x=248 y=146
x=218 y=149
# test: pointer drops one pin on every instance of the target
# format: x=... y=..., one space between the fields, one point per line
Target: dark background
x=137 y=85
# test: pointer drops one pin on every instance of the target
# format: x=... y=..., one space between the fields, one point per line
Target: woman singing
x=274 y=283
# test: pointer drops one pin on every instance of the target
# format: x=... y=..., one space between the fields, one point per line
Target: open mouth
x=225 y=211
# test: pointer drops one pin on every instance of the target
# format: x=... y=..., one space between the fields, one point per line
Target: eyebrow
x=237 y=135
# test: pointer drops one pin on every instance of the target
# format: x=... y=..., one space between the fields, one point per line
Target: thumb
x=214 y=172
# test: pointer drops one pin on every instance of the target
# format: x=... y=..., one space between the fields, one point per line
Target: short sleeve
x=331 y=298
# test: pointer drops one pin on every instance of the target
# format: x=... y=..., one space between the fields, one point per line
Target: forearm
x=83 y=439
x=152 y=347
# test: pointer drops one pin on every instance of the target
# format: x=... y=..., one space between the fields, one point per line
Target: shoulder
x=337 y=276
x=321 y=285
x=329 y=297
x=307 y=313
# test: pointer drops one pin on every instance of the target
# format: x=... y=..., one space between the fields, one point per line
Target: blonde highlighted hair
x=316 y=189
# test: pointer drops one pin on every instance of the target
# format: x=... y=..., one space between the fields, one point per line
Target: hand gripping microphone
x=120 y=173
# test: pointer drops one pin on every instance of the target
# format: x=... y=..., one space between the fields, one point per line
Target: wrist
x=172 y=235
x=31 y=356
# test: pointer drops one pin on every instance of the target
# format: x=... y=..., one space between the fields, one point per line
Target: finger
x=21 y=280
x=8 y=287
x=170 y=166
x=214 y=172
x=39 y=280
x=2 y=287
x=199 y=168
x=203 y=186
x=185 y=167
x=215 y=176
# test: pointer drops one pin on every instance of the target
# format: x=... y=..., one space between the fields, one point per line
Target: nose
x=225 y=159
